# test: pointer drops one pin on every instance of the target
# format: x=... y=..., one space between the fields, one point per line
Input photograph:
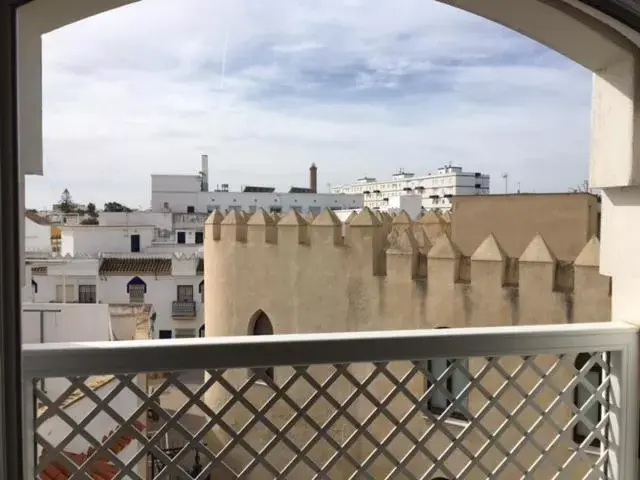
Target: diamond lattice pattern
x=472 y=418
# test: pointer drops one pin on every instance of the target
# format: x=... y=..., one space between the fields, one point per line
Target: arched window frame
x=260 y=324
x=139 y=284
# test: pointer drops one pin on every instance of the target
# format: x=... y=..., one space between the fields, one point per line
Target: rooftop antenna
x=506 y=182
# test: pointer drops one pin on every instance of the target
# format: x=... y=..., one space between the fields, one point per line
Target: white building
x=172 y=285
x=37 y=234
x=436 y=188
x=191 y=194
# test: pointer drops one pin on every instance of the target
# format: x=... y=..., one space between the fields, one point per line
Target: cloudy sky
x=267 y=87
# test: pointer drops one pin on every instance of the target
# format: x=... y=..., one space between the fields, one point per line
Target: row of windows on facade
x=136 y=288
x=452 y=385
x=398 y=186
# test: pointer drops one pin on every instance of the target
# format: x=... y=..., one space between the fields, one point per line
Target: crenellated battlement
x=398 y=245
x=381 y=271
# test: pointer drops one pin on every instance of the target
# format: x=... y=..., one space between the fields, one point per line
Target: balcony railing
x=189 y=219
x=507 y=402
x=183 y=309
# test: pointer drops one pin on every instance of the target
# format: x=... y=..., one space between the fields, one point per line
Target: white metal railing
x=183 y=308
x=507 y=402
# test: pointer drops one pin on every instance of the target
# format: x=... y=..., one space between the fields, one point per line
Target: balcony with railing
x=189 y=220
x=183 y=308
x=503 y=402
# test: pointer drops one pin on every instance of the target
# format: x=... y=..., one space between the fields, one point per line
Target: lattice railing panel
x=472 y=418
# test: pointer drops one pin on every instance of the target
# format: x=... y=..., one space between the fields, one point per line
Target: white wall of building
x=250 y=201
x=161 y=292
x=412 y=204
x=66 y=322
x=436 y=188
x=175 y=183
x=37 y=238
x=95 y=239
x=120 y=219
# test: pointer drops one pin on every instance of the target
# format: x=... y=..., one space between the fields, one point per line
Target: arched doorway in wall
x=260 y=324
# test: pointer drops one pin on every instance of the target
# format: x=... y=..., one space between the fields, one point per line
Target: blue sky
x=358 y=87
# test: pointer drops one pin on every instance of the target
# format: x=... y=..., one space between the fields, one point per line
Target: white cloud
x=358 y=87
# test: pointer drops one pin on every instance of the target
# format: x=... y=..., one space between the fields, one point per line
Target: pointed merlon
x=403 y=218
x=292 y=219
x=444 y=248
x=590 y=254
x=261 y=218
x=430 y=217
x=489 y=251
x=350 y=218
x=327 y=219
x=402 y=240
x=234 y=217
x=366 y=218
x=537 y=252
x=215 y=218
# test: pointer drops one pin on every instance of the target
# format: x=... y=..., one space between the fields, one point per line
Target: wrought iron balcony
x=183 y=309
x=508 y=402
x=189 y=219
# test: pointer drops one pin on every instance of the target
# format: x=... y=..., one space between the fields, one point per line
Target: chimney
x=204 y=172
x=313 y=178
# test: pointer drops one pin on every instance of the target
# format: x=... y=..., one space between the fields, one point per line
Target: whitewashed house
x=172 y=285
x=37 y=234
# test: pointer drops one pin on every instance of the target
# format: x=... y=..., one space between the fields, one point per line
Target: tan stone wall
x=566 y=221
x=380 y=273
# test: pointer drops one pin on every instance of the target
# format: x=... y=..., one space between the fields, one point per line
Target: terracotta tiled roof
x=34 y=217
x=136 y=266
x=200 y=268
x=99 y=468
x=39 y=270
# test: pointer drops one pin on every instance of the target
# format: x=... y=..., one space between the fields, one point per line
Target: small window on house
x=261 y=325
x=201 y=291
x=135 y=243
x=185 y=293
x=87 y=294
x=165 y=334
x=136 y=288
x=191 y=209
x=184 y=333
x=582 y=395
x=65 y=293
x=182 y=237
x=199 y=238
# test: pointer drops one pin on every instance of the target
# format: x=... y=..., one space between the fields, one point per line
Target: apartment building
x=437 y=188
